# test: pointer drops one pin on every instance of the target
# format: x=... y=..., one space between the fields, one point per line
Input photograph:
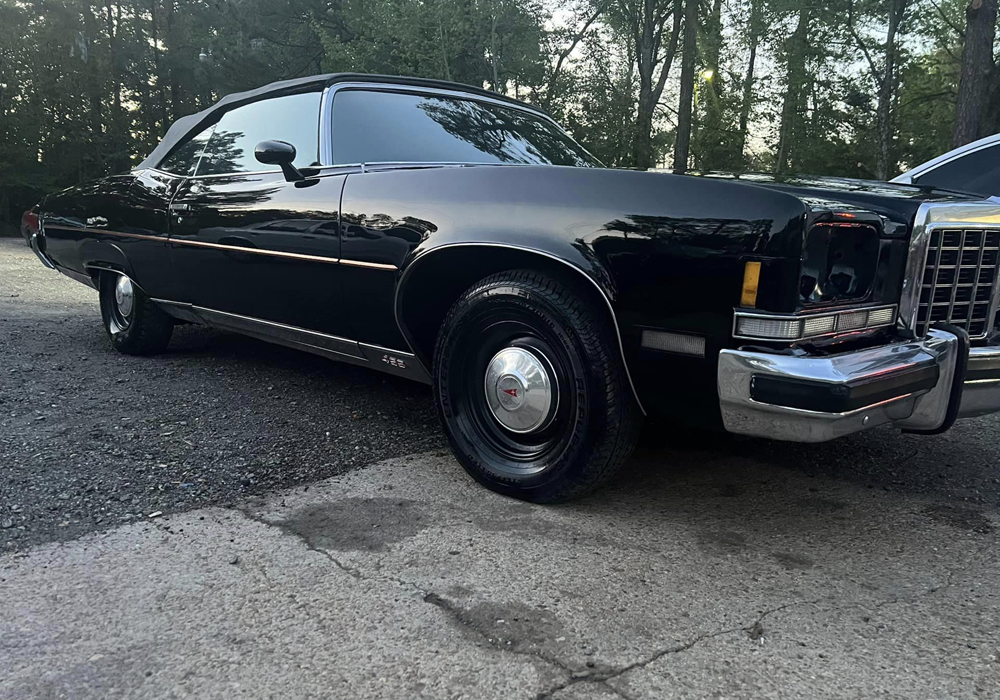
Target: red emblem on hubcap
x=512 y=392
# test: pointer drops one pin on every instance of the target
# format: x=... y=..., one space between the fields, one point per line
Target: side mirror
x=279 y=153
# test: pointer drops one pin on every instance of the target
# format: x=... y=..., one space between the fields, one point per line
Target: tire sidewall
x=586 y=420
x=128 y=340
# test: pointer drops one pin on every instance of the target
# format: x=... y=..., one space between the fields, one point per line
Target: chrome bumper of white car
x=812 y=399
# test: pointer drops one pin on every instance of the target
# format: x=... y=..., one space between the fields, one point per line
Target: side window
x=393 y=127
x=291 y=118
x=184 y=159
x=977 y=172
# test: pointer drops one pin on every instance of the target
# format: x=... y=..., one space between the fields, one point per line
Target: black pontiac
x=460 y=238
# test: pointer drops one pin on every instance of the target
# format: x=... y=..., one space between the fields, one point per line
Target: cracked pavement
x=406 y=580
x=712 y=568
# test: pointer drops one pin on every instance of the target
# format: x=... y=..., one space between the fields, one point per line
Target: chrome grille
x=959 y=279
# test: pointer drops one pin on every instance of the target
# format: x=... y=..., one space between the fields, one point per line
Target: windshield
x=396 y=127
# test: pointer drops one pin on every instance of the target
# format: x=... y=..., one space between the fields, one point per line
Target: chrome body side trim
x=396 y=362
x=110 y=232
x=925 y=410
x=371 y=265
x=984 y=214
x=236 y=248
x=255 y=251
x=607 y=301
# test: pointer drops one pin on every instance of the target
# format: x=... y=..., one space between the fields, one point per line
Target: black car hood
x=897 y=202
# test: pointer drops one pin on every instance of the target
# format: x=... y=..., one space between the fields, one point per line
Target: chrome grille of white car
x=960 y=280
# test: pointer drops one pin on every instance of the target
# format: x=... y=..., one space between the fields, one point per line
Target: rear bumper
x=37 y=243
x=921 y=386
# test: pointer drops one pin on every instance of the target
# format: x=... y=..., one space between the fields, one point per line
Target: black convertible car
x=461 y=238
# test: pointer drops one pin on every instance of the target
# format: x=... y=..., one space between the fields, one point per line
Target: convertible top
x=185 y=125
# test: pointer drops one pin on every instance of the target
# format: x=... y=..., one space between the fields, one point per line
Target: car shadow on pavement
x=958 y=465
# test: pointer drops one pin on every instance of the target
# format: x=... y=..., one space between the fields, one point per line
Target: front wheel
x=135 y=325
x=531 y=388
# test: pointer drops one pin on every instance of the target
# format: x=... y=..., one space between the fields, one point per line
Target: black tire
x=593 y=419
x=144 y=330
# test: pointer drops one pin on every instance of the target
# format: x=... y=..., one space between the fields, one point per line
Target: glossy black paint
x=240 y=214
x=378 y=254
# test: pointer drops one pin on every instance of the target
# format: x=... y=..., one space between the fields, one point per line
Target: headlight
x=766 y=327
x=838 y=263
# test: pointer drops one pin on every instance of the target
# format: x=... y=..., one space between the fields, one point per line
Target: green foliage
x=88 y=87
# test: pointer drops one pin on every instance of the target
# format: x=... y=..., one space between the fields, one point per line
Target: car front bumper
x=921 y=386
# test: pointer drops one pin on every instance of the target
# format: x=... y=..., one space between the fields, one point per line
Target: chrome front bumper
x=812 y=399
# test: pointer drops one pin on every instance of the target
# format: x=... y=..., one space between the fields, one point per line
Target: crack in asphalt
x=675 y=649
x=349 y=570
x=949 y=581
x=575 y=675
x=598 y=675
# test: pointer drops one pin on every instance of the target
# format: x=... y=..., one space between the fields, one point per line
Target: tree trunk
x=977 y=66
x=747 y=100
x=494 y=59
x=887 y=86
x=95 y=93
x=682 y=146
x=795 y=57
x=645 y=55
x=647 y=52
x=177 y=102
x=118 y=130
x=161 y=79
x=710 y=152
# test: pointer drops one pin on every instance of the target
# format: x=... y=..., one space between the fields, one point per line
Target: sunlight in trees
x=850 y=87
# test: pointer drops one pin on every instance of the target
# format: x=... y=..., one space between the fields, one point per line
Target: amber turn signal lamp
x=751 y=277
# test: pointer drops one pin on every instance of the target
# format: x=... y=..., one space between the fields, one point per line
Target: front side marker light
x=674 y=342
x=751 y=279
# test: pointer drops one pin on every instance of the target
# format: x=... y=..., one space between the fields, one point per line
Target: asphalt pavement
x=315 y=539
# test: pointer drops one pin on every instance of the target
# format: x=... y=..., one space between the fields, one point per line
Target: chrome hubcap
x=519 y=391
x=124 y=296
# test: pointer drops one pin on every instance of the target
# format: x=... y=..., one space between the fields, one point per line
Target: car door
x=260 y=252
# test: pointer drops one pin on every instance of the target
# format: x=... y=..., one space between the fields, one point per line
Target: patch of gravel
x=90 y=438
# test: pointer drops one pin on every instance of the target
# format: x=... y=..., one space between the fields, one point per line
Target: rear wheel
x=531 y=389
x=135 y=325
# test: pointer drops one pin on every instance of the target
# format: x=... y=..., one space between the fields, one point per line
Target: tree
x=979 y=74
x=655 y=37
x=884 y=77
x=682 y=144
x=755 y=26
x=796 y=49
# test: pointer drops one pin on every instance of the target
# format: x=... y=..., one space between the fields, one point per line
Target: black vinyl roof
x=195 y=122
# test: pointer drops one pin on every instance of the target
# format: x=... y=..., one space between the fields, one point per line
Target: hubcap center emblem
x=519 y=391
x=510 y=392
